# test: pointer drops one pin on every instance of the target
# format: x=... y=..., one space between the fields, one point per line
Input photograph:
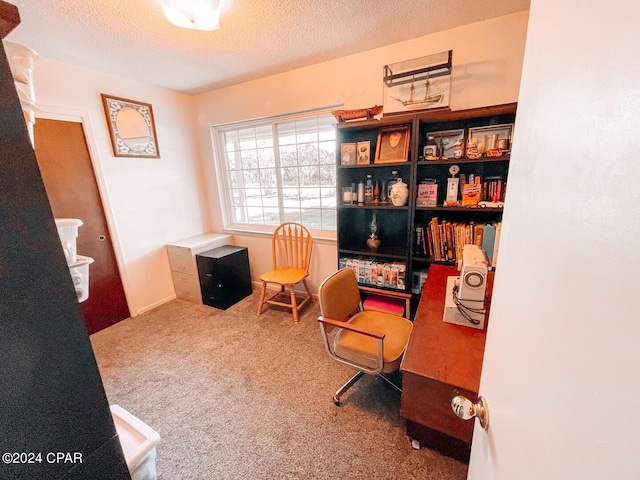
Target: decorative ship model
x=428 y=98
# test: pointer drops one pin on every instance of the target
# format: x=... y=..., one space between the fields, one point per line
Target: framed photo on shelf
x=446 y=141
x=392 y=145
x=364 y=153
x=348 y=154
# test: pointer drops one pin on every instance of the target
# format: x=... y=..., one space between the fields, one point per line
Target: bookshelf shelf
x=462 y=161
x=469 y=210
x=371 y=206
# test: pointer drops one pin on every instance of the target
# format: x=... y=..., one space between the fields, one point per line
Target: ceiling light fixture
x=195 y=14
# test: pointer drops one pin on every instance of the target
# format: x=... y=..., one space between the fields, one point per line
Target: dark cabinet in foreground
x=224 y=276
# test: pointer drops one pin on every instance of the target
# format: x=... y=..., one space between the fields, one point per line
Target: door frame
x=49 y=112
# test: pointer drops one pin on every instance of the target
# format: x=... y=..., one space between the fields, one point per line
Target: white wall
x=149 y=202
x=487 y=63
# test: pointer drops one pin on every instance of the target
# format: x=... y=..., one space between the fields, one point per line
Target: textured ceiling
x=257 y=38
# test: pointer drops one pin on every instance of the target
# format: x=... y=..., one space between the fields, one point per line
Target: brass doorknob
x=466 y=409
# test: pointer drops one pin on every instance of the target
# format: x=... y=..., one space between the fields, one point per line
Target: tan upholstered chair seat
x=363 y=350
x=370 y=341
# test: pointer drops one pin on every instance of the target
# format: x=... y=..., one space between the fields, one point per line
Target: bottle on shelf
x=393 y=179
x=383 y=192
x=430 y=151
x=368 y=190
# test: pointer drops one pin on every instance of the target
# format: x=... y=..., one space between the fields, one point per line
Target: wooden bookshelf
x=397 y=224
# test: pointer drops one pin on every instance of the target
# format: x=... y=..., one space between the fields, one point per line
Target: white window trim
x=221 y=178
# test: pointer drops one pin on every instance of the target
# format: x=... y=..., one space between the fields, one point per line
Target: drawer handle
x=208 y=274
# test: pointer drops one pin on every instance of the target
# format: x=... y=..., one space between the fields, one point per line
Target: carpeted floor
x=234 y=395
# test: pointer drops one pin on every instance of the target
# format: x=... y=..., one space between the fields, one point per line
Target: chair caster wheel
x=336 y=400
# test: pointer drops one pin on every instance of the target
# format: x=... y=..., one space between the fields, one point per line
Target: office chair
x=373 y=342
x=291 y=247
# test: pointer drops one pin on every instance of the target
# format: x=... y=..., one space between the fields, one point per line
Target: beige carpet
x=237 y=396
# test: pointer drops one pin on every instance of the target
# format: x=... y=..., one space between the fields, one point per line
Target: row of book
x=443 y=241
x=491 y=189
x=473 y=189
x=375 y=272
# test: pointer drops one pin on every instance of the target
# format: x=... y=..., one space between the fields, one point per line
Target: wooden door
x=66 y=168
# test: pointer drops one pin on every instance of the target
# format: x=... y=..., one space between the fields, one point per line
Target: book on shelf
x=494 y=258
x=488 y=240
x=463 y=181
x=443 y=241
x=493 y=189
x=477 y=234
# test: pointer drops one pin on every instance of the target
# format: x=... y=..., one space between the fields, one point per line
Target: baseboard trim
x=155 y=305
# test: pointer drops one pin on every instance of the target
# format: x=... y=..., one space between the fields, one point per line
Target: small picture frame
x=427 y=193
x=348 y=154
x=363 y=150
x=392 y=145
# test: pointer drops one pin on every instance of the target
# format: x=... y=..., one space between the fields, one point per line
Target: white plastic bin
x=138 y=442
x=80 y=276
x=68 y=232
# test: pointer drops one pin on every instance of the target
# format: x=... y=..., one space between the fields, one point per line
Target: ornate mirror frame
x=141 y=139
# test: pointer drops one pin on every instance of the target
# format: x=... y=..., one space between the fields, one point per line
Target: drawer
x=187 y=286
x=223 y=297
x=181 y=260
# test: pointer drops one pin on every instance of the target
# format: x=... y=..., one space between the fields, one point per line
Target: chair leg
x=346 y=386
x=304 y=282
x=390 y=382
x=294 y=305
x=262 y=294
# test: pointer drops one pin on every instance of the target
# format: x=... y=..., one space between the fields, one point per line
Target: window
x=280 y=169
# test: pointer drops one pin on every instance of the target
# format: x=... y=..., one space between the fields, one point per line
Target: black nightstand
x=224 y=276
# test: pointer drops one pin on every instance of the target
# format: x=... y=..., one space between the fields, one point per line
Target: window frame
x=221 y=168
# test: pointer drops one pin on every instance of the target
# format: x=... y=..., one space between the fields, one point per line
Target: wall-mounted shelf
x=417 y=69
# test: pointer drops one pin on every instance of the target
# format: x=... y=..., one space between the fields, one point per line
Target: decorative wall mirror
x=131 y=126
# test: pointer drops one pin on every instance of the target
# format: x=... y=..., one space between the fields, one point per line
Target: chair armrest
x=352 y=328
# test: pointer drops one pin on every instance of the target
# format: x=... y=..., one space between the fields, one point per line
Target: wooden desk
x=442 y=360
